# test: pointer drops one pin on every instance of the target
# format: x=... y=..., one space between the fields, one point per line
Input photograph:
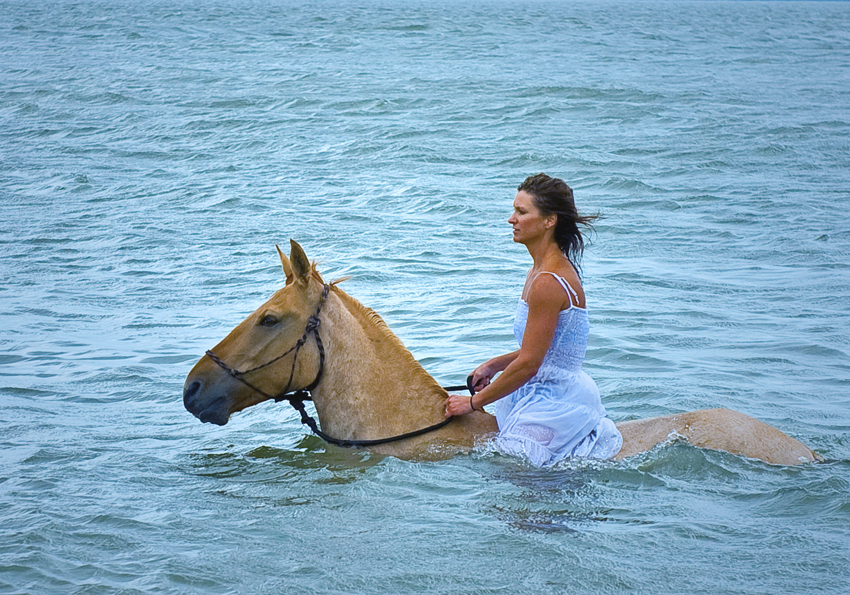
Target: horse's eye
x=268 y=320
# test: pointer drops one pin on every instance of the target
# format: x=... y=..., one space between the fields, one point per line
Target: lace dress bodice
x=569 y=344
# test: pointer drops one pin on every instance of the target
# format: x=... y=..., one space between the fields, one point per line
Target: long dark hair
x=553 y=197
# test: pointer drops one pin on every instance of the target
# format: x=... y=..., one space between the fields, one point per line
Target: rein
x=296 y=398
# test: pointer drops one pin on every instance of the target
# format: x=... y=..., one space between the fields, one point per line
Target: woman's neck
x=545 y=254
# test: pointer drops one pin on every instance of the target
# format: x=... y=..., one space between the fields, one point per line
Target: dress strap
x=567 y=287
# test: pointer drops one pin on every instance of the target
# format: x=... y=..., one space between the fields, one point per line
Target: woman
x=547 y=408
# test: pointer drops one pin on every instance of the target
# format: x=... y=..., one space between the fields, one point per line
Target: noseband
x=296 y=398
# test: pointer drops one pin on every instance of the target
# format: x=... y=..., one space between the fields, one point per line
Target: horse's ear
x=287 y=266
x=300 y=263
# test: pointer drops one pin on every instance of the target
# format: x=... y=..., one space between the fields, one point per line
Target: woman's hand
x=458 y=405
x=482 y=376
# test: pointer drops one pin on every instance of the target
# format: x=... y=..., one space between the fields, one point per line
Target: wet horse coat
x=366 y=385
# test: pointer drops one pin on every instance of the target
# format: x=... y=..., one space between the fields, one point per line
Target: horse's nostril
x=190 y=391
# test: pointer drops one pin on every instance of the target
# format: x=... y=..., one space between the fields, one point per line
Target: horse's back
x=717 y=429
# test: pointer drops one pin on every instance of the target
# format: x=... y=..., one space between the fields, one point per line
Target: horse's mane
x=375 y=324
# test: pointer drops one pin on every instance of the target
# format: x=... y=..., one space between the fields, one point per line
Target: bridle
x=313 y=324
x=297 y=397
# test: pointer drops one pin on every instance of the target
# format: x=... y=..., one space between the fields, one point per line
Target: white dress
x=557 y=414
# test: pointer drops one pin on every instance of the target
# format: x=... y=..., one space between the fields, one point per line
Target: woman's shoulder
x=547 y=291
x=563 y=282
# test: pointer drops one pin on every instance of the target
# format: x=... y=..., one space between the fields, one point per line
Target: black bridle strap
x=297 y=398
x=298 y=404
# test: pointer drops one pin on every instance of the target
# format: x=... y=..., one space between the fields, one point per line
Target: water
x=152 y=154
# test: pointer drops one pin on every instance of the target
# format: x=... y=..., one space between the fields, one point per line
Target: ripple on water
x=143 y=197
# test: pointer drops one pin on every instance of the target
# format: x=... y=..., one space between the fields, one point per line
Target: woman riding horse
x=547 y=407
x=311 y=340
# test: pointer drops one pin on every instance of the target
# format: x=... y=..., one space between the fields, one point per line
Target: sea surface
x=153 y=153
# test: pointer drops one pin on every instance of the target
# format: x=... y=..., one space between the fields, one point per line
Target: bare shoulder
x=565 y=272
x=547 y=293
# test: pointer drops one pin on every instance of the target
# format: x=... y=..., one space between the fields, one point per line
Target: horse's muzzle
x=215 y=411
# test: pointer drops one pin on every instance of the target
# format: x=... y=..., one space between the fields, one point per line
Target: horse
x=311 y=340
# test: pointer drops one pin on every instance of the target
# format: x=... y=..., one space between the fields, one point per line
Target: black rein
x=296 y=398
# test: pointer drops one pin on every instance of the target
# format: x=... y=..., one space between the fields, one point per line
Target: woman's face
x=527 y=221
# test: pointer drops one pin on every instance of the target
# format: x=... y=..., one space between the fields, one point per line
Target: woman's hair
x=553 y=197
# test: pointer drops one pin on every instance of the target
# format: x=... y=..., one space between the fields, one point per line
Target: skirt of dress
x=553 y=420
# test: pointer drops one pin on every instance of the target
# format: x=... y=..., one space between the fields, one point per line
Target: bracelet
x=471 y=406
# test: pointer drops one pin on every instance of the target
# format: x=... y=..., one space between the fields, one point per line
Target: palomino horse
x=366 y=387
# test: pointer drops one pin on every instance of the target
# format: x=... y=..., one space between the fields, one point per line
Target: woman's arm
x=483 y=374
x=546 y=299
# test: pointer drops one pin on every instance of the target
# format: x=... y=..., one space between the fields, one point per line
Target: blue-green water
x=152 y=154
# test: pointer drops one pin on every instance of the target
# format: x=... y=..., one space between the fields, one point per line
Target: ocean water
x=153 y=153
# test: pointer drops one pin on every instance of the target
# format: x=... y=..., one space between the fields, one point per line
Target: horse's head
x=262 y=357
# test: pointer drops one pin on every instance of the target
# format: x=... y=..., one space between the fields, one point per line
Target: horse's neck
x=372 y=386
